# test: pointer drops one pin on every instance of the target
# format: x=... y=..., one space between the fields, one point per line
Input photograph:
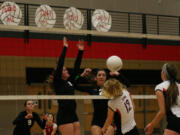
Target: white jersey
x=175 y=109
x=124 y=106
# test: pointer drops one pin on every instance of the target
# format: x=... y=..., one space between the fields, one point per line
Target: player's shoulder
x=162 y=85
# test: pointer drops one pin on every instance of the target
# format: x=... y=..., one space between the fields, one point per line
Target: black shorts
x=98 y=119
x=66 y=116
x=172 y=123
x=98 y=122
x=134 y=131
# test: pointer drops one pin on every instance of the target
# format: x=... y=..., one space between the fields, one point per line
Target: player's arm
x=60 y=64
x=161 y=113
x=54 y=130
x=109 y=120
x=44 y=131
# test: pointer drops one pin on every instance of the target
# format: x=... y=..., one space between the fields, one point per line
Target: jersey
x=124 y=106
x=24 y=125
x=49 y=128
x=175 y=109
x=67 y=108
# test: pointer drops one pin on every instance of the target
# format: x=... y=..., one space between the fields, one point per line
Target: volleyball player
x=50 y=127
x=25 y=120
x=100 y=106
x=122 y=103
x=168 y=96
x=64 y=84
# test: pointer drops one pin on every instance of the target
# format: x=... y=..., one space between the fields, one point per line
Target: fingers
x=45 y=116
x=29 y=116
x=115 y=73
x=86 y=72
x=80 y=45
x=65 y=43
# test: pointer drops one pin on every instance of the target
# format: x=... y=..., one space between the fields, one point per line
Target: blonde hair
x=112 y=88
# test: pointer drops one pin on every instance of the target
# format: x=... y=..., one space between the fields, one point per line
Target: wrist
x=152 y=124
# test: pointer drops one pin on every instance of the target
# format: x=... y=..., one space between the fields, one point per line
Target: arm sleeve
x=83 y=85
x=54 y=125
x=58 y=71
x=77 y=65
x=40 y=122
x=159 y=87
x=20 y=119
x=122 y=79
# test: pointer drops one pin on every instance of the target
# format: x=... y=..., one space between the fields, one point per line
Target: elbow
x=162 y=113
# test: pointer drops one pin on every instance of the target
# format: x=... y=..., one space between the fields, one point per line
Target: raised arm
x=78 y=60
x=60 y=64
x=40 y=122
x=119 y=76
x=84 y=81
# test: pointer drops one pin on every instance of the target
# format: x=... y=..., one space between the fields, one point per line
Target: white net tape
x=52 y=97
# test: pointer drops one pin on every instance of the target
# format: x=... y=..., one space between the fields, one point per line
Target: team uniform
x=101 y=106
x=124 y=107
x=49 y=128
x=67 y=108
x=24 y=125
x=117 y=124
x=173 y=115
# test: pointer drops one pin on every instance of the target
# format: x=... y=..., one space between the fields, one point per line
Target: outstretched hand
x=65 y=43
x=86 y=72
x=45 y=116
x=114 y=73
x=80 y=45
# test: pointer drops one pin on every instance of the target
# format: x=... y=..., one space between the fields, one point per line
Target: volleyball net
x=145 y=104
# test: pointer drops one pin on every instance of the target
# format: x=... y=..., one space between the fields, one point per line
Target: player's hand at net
x=80 y=45
x=45 y=116
x=114 y=73
x=86 y=72
x=65 y=43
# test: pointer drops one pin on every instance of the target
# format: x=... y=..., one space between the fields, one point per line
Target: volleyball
x=10 y=13
x=101 y=20
x=45 y=16
x=73 y=19
x=114 y=63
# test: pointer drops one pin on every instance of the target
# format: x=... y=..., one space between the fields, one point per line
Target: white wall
x=163 y=7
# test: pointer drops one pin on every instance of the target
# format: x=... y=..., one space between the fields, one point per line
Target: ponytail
x=172 y=91
x=171 y=96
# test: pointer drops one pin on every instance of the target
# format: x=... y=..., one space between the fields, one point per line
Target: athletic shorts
x=98 y=122
x=134 y=131
x=98 y=119
x=173 y=123
x=65 y=117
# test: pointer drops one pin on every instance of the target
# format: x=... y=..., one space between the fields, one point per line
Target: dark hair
x=91 y=76
x=25 y=103
x=52 y=115
x=50 y=78
x=172 y=91
x=97 y=70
